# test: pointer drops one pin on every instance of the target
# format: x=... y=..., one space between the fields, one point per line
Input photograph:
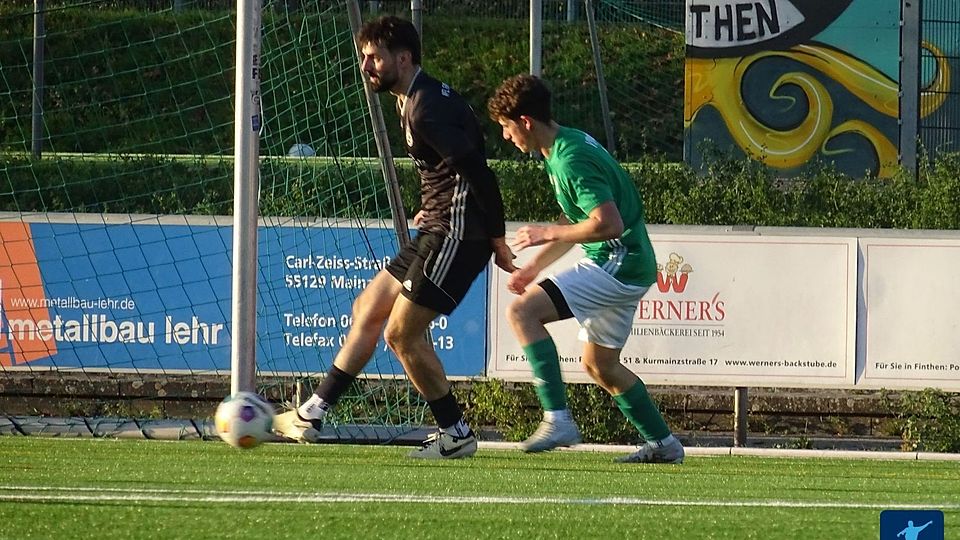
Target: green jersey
x=584 y=176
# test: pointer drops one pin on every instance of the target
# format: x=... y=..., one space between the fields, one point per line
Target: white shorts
x=603 y=306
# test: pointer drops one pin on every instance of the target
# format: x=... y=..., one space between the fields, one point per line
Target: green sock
x=642 y=412
x=545 y=361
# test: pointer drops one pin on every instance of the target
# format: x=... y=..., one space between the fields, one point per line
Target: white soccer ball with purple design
x=244 y=420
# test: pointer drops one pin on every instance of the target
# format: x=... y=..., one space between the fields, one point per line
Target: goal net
x=117 y=188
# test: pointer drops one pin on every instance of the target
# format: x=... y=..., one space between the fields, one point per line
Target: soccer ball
x=244 y=420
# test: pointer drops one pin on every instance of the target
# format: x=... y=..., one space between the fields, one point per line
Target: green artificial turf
x=106 y=488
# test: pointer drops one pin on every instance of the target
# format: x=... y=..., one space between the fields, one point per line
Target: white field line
x=755 y=452
x=699 y=451
x=130 y=495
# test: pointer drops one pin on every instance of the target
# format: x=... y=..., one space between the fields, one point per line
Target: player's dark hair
x=394 y=33
x=521 y=95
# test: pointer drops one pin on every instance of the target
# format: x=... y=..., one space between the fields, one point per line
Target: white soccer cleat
x=655 y=452
x=291 y=426
x=552 y=434
x=445 y=445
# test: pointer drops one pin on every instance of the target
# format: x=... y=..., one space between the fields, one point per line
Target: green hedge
x=928 y=421
x=730 y=193
x=514 y=410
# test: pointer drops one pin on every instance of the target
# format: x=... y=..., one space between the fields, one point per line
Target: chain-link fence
x=668 y=13
x=940 y=128
x=471 y=44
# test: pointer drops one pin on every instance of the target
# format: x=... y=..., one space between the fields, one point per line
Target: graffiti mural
x=797 y=83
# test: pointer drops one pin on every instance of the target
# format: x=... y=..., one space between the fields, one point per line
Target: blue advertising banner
x=156 y=298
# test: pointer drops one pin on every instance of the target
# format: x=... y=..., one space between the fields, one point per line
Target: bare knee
x=590 y=366
x=516 y=313
x=369 y=313
x=522 y=315
x=395 y=336
x=604 y=373
x=405 y=342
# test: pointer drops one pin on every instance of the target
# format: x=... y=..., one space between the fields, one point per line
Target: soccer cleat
x=552 y=434
x=655 y=452
x=292 y=426
x=445 y=445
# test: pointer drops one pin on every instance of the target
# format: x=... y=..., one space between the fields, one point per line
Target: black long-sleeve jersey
x=459 y=194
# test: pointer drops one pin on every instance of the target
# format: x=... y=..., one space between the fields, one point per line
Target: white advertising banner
x=909 y=328
x=728 y=309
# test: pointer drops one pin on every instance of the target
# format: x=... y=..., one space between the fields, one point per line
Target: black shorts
x=556 y=296
x=436 y=271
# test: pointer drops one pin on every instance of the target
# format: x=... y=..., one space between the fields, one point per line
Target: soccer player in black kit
x=460 y=226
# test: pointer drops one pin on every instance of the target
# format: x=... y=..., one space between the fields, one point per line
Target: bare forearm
x=603 y=223
x=588 y=230
x=550 y=253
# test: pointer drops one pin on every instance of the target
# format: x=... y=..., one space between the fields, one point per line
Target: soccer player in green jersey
x=603 y=212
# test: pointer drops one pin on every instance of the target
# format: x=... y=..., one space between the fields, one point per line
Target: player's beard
x=384 y=81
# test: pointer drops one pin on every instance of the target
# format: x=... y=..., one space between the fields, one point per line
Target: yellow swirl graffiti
x=717 y=82
x=862 y=80
x=874 y=88
x=887 y=155
x=935 y=94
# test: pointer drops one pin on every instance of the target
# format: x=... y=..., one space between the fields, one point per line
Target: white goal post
x=246 y=172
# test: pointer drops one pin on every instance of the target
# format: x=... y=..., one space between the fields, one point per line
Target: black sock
x=446 y=410
x=334 y=385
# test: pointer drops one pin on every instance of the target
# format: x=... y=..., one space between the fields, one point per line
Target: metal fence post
x=39 y=32
x=910 y=32
x=416 y=17
x=572 y=11
x=740 y=421
x=536 y=37
x=299 y=393
x=601 y=81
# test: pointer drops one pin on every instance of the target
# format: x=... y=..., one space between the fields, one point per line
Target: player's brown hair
x=521 y=95
x=392 y=32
